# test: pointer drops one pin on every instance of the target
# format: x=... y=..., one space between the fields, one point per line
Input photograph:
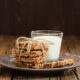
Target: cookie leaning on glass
x=31 y=54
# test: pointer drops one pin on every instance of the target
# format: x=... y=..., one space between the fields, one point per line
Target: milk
x=53 y=49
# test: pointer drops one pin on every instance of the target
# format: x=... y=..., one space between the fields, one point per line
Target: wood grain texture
x=6 y=43
x=19 y=17
x=70 y=44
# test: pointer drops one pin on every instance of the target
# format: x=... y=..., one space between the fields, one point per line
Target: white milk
x=53 y=50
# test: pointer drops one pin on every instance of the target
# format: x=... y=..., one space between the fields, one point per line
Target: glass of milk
x=53 y=36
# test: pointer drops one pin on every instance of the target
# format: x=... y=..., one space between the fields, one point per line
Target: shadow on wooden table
x=25 y=74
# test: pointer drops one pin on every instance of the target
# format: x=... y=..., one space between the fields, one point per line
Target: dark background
x=19 y=17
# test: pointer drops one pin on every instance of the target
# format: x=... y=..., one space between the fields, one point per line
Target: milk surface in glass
x=53 y=50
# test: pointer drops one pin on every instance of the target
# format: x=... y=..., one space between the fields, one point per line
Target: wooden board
x=70 y=44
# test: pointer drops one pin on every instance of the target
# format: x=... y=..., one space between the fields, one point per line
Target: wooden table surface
x=71 y=44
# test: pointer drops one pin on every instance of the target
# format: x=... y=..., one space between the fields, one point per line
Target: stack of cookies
x=30 y=53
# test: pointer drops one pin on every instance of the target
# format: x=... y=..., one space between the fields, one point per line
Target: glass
x=53 y=36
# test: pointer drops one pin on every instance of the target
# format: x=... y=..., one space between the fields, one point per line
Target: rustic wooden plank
x=38 y=78
x=55 y=76
x=64 y=47
x=5 y=73
x=6 y=43
x=20 y=75
x=23 y=75
x=77 y=41
x=68 y=44
x=68 y=75
x=72 y=44
x=77 y=72
x=75 y=49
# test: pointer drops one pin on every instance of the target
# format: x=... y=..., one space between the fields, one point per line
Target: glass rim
x=46 y=31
